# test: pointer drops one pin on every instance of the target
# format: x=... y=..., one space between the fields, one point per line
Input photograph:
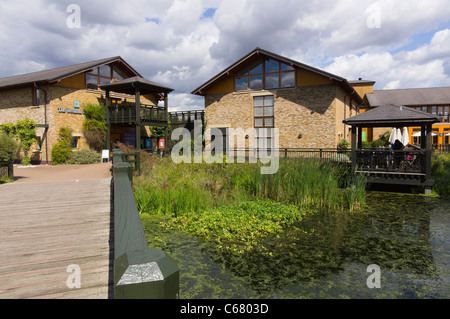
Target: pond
x=326 y=255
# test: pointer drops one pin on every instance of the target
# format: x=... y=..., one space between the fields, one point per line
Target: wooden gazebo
x=406 y=166
x=136 y=115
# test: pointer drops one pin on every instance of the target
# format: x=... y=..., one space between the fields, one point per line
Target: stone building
x=264 y=90
x=55 y=98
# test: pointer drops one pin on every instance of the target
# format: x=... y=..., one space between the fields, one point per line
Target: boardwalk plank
x=47 y=226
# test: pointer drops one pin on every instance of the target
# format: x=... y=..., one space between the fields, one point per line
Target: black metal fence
x=321 y=154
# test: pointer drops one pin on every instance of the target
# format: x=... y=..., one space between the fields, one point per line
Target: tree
x=94 y=126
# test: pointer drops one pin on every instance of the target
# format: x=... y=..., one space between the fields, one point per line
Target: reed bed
x=176 y=189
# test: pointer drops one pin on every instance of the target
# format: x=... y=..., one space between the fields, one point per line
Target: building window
x=38 y=143
x=76 y=142
x=263 y=121
x=445 y=115
x=269 y=74
x=103 y=75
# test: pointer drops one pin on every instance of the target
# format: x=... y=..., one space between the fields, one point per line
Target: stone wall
x=60 y=111
x=309 y=111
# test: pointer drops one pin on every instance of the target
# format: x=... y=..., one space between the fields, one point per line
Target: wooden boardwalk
x=48 y=224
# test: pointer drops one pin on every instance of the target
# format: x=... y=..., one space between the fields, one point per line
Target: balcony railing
x=126 y=114
x=387 y=160
x=186 y=116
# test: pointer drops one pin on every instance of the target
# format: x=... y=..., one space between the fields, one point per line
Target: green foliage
x=440 y=171
x=343 y=145
x=8 y=147
x=25 y=131
x=157 y=131
x=238 y=228
x=84 y=157
x=94 y=126
x=383 y=140
x=62 y=150
x=176 y=189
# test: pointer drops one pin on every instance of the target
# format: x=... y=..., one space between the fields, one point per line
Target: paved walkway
x=55 y=233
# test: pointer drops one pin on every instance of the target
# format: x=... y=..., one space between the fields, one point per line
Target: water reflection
x=327 y=253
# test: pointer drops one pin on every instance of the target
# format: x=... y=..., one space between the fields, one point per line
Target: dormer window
x=268 y=74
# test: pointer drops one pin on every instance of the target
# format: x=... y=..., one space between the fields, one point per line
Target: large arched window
x=268 y=74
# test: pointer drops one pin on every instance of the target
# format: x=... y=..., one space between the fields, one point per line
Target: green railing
x=139 y=272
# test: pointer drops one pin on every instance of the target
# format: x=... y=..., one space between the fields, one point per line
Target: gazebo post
x=359 y=137
x=353 y=151
x=166 y=109
x=108 y=122
x=429 y=142
x=138 y=117
x=423 y=141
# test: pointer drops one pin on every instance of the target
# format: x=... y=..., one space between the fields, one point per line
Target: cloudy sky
x=183 y=43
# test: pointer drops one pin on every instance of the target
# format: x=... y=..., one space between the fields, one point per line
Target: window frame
x=77 y=139
x=258 y=140
x=282 y=69
x=115 y=74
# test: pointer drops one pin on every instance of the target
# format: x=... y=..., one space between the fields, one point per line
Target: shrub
x=7 y=148
x=343 y=145
x=94 y=126
x=440 y=171
x=85 y=157
x=62 y=150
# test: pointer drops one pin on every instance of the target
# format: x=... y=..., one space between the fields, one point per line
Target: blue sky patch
x=208 y=13
x=154 y=20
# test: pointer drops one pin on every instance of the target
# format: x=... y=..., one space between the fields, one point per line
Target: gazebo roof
x=391 y=115
x=128 y=86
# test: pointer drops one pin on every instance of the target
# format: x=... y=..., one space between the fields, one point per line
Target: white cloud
x=423 y=67
x=171 y=41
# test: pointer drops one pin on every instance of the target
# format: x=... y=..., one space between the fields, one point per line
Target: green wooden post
x=139 y=272
x=138 y=117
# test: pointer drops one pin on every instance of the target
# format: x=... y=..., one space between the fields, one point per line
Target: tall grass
x=176 y=189
x=440 y=171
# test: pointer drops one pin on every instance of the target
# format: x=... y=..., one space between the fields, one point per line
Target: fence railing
x=139 y=272
x=126 y=114
x=322 y=154
x=387 y=160
x=186 y=116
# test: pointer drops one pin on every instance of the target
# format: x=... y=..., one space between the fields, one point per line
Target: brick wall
x=309 y=111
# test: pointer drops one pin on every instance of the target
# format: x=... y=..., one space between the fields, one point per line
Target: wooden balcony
x=394 y=167
x=126 y=114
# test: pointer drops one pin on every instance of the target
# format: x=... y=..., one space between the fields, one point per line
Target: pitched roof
x=419 y=96
x=52 y=75
x=128 y=86
x=391 y=115
x=256 y=54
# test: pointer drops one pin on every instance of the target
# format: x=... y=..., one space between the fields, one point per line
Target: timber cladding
x=306 y=111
